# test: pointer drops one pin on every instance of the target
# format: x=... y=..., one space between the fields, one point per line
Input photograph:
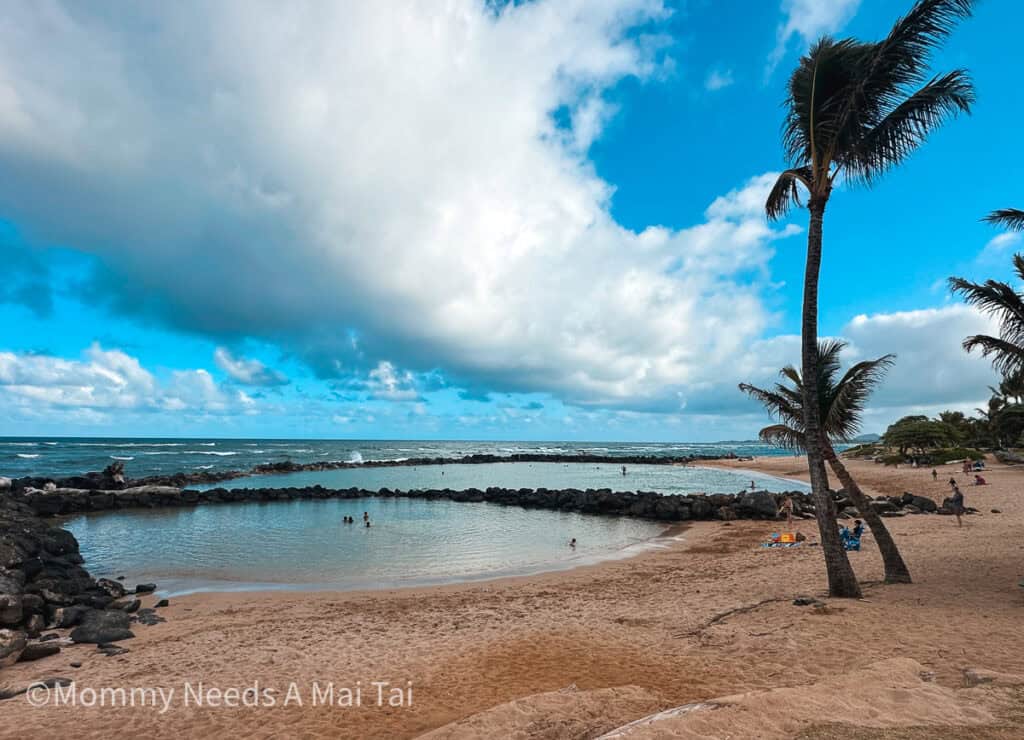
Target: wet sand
x=582 y=652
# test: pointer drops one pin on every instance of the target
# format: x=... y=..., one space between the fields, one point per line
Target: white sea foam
x=355 y=457
x=116 y=457
x=209 y=452
x=26 y=456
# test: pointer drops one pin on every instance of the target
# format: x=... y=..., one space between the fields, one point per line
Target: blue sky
x=534 y=221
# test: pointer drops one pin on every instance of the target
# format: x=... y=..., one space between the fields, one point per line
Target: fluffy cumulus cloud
x=108 y=380
x=931 y=373
x=247 y=371
x=367 y=183
x=806 y=20
x=931 y=369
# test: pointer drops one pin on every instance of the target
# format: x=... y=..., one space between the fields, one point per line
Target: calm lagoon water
x=304 y=545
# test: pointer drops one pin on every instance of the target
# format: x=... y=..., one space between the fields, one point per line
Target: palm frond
x=1007 y=357
x=786 y=192
x=782 y=436
x=899 y=133
x=851 y=394
x=1002 y=302
x=1011 y=218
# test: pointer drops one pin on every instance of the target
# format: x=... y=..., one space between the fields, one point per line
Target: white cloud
x=247 y=371
x=718 y=79
x=1000 y=247
x=807 y=20
x=360 y=181
x=110 y=380
x=387 y=384
x=932 y=371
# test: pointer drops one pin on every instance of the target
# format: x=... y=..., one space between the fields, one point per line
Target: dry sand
x=706 y=619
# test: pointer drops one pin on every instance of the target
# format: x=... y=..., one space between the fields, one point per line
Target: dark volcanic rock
x=145 y=588
x=37 y=650
x=115 y=589
x=759 y=504
x=127 y=604
x=109 y=625
x=11 y=646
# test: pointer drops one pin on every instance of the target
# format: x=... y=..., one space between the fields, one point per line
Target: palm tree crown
x=861 y=108
x=841 y=399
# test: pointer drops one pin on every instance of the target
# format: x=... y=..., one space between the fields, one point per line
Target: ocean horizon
x=146 y=456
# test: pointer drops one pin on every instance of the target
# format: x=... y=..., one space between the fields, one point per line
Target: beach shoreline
x=590 y=649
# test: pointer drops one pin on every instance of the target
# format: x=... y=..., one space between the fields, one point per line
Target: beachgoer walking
x=957 y=504
x=787 y=509
x=952 y=482
x=935 y=474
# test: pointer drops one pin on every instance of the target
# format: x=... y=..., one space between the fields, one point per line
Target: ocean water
x=304 y=545
x=68 y=456
x=659 y=478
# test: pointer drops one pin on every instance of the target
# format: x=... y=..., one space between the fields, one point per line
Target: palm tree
x=840 y=405
x=1001 y=301
x=857 y=109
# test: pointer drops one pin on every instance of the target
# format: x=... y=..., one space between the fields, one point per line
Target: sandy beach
x=708 y=617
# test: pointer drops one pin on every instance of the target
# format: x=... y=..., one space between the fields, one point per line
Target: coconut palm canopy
x=842 y=398
x=861 y=108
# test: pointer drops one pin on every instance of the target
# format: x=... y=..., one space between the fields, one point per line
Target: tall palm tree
x=840 y=405
x=857 y=109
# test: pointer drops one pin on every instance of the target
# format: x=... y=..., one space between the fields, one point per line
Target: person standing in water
x=623 y=469
x=572 y=543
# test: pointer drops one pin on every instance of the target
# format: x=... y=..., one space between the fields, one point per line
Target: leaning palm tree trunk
x=896 y=570
x=841 y=579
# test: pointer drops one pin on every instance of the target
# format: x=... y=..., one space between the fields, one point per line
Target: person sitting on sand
x=979 y=481
x=957 y=505
x=858 y=528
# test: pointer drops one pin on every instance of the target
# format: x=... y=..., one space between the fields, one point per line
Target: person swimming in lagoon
x=572 y=543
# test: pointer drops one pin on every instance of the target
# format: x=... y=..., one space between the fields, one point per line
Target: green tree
x=841 y=403
x=919 y=434
x=857 y=109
